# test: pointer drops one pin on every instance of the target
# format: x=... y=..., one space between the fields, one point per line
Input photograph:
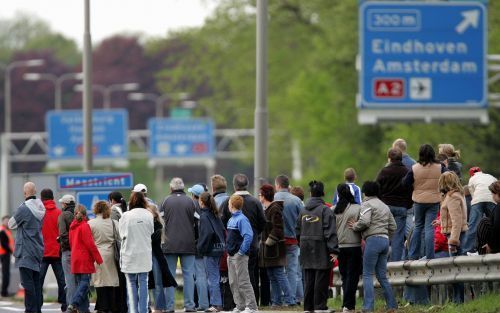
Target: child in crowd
x=350 y=177
x=239 y=239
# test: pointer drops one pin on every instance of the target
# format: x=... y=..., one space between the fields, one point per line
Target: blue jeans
x=80 y=299
x=159 y=293
x=137 y=292
x=188 y=269
x=213 y=275
x=279 y=284
x=69 y=278
x=425 y=213
x=398 y=239
x=477 y=212
x=30 y=280
x=293 y=270
x=375 y=262
x=59 y=273
x=201 y=283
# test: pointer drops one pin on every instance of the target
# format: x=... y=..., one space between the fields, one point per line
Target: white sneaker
x=346 y=310
x=236 y=310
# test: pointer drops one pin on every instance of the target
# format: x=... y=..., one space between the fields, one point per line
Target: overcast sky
x=151 y=17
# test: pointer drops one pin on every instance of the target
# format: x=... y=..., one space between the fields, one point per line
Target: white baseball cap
x=67 y=199
x=140 y=188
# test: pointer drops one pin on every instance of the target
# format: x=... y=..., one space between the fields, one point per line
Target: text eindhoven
x=416 y=47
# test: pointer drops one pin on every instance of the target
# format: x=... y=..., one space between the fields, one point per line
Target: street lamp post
x=157 y=100
x=261 y=115
x=106 y=91
x=7 y=89
x=57 y=81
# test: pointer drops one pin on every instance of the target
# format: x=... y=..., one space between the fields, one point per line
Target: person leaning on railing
x=489 y=228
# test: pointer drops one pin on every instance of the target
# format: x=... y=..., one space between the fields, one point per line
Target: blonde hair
x=80 y=213
x=350 y=174
x=236 y=202
x=448 y=150
x=449 y=181
x=400 y=144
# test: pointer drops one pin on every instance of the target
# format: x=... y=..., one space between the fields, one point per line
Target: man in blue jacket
x=29 y=246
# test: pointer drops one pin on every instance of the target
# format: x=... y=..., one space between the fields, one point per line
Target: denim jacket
x=291 y=210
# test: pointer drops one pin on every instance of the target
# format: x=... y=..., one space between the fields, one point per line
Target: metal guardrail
x=460 y=269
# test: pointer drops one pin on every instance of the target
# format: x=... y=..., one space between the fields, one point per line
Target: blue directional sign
x=181 y=138
x=89 y=198
x=109 y=134
x=423 y=55
x=95 y=181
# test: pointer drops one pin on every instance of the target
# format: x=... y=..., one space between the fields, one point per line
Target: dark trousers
x=263 y=295
x=81 y=297
x=350 y=267
x=316 y=284
x=30 y=280
x=5 y=259
x=253 y=270
x=61 y=283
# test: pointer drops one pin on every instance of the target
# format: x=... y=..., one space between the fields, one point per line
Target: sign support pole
x=87 y=92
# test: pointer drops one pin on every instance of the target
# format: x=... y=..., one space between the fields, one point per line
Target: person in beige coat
x=453 y=220
x=105 y=279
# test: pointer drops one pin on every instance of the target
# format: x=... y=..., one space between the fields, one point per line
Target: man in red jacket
x=52 y=250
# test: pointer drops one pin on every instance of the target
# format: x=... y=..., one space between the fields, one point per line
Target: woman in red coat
x=83 y=255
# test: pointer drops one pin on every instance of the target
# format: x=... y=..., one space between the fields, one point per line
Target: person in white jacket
x=482 y=204
x=136 y=227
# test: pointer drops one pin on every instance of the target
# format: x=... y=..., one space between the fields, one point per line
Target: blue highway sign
x=181 y=138
x=109 y=134
x=89 y=198
x=423 y=54
x=95 y=181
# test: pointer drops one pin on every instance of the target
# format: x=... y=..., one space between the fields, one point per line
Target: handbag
x=116 y=245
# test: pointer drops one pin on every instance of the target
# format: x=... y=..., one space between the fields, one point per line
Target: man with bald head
x=28 y=220
x=401 y=145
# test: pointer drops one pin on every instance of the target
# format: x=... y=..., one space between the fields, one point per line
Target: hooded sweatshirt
x=29 y=243
x=317 y=235
x=50 y=231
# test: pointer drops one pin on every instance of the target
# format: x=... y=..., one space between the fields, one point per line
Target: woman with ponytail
x=211 y=245
x=350 y=254
x=118 y=205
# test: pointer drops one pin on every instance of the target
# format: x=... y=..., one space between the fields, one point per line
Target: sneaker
x=472 y=253
x=248 y=310
x=71 y=309
x=346 y=310
x=212 y=309
x=236 y=310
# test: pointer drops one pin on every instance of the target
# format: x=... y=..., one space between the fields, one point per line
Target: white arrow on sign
x=59 y=150
x=116 y=149
x=471 y=18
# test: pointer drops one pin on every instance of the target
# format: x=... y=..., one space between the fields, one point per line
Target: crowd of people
x=238 y=251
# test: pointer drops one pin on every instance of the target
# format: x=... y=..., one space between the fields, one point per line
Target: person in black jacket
x=492 y=239
x=397 y=197
x=252 y=209
x=317 y=236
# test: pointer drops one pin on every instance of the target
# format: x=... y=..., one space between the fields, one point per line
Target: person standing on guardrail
x=350 y=254
x=317 y=236
x=377 y=225
x=424 y=177
x=482 y=204
x=397 y=196
x=453 y=220
x=28 y=220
